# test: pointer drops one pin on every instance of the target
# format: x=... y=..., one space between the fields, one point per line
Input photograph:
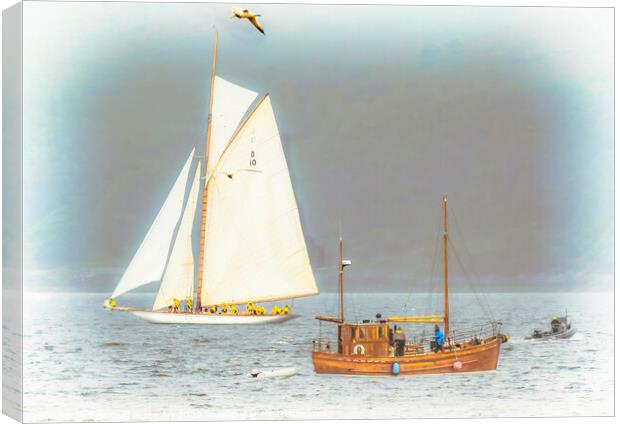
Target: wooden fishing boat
x=370 y=347
x=252 y=247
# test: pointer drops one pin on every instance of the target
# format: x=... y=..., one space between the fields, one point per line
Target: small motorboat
x=273 y=372
x=561 y=328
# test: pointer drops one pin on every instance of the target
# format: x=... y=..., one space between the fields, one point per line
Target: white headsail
x=254 y=244
x=178 y=280
x=230 y=103
x=149 y=261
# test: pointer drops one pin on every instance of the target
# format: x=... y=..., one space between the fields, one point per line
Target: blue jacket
x=439 y=337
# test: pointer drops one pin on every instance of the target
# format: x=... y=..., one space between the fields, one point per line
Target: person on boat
x=439 y=338
x=213 y=309
x=260 y=310
x=285 y=310
x=233 y=309
x=169 y=308
x=399 y=342
x=275 y=310
x=189 y=303
x=224 y=309
x=250 y=308
x=176 y=304
x=555 y=324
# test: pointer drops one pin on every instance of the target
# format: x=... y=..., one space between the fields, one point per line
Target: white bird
x=246 y=14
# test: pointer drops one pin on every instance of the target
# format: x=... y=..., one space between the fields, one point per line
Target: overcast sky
x=382 y=110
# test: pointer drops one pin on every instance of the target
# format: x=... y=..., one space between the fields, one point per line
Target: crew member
x=399 y=342
x=176 y=304
x=438 y=339
x=189 y=302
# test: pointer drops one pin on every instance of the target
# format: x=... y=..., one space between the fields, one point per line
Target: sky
x=382 y=110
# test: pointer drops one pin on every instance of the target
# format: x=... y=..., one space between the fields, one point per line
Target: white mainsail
x=254 y=245
x=149 y=261
x=178 y=280
x=230 y=103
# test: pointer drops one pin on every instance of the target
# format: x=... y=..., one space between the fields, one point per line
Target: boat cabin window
x=381 y=332
x=352 y=332
x=362 y=332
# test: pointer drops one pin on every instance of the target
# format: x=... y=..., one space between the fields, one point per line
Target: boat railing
x=474 y=334
x=324 y=344
x=423 y=343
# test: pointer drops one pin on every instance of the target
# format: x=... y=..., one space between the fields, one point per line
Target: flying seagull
x=246 y=14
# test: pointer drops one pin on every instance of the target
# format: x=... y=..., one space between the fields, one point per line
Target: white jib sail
x=254 y=244
x=149 y=261
x=178 y=279
x=230 y=103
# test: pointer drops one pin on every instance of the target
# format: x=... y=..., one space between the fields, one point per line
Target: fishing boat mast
x=341 y=283
x=198 y=304
x=342 y=263
x=446 y=309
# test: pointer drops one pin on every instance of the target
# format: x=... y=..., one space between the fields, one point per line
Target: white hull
x=185 y=318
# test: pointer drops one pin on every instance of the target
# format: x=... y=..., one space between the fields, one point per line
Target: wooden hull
x=209 y=319
x=482 y=357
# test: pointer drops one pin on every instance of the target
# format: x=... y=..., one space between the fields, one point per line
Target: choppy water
x=83 y=363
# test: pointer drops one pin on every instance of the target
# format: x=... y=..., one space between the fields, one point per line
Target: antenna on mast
x=446 y=311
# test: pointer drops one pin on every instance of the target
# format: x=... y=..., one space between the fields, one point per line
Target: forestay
x=178 y=280
x=230 y=103
x=254 y=245
x=149 y=261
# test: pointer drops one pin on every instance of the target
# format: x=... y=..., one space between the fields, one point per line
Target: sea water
x=85 y=363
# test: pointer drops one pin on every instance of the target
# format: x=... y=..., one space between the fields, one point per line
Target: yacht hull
x=209 y=319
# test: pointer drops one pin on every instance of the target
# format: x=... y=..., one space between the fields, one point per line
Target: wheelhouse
x=364 y=339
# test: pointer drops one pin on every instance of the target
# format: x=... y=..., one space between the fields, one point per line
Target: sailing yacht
x=252 y=247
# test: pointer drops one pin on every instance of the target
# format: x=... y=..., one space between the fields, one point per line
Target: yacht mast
x=198 y=306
